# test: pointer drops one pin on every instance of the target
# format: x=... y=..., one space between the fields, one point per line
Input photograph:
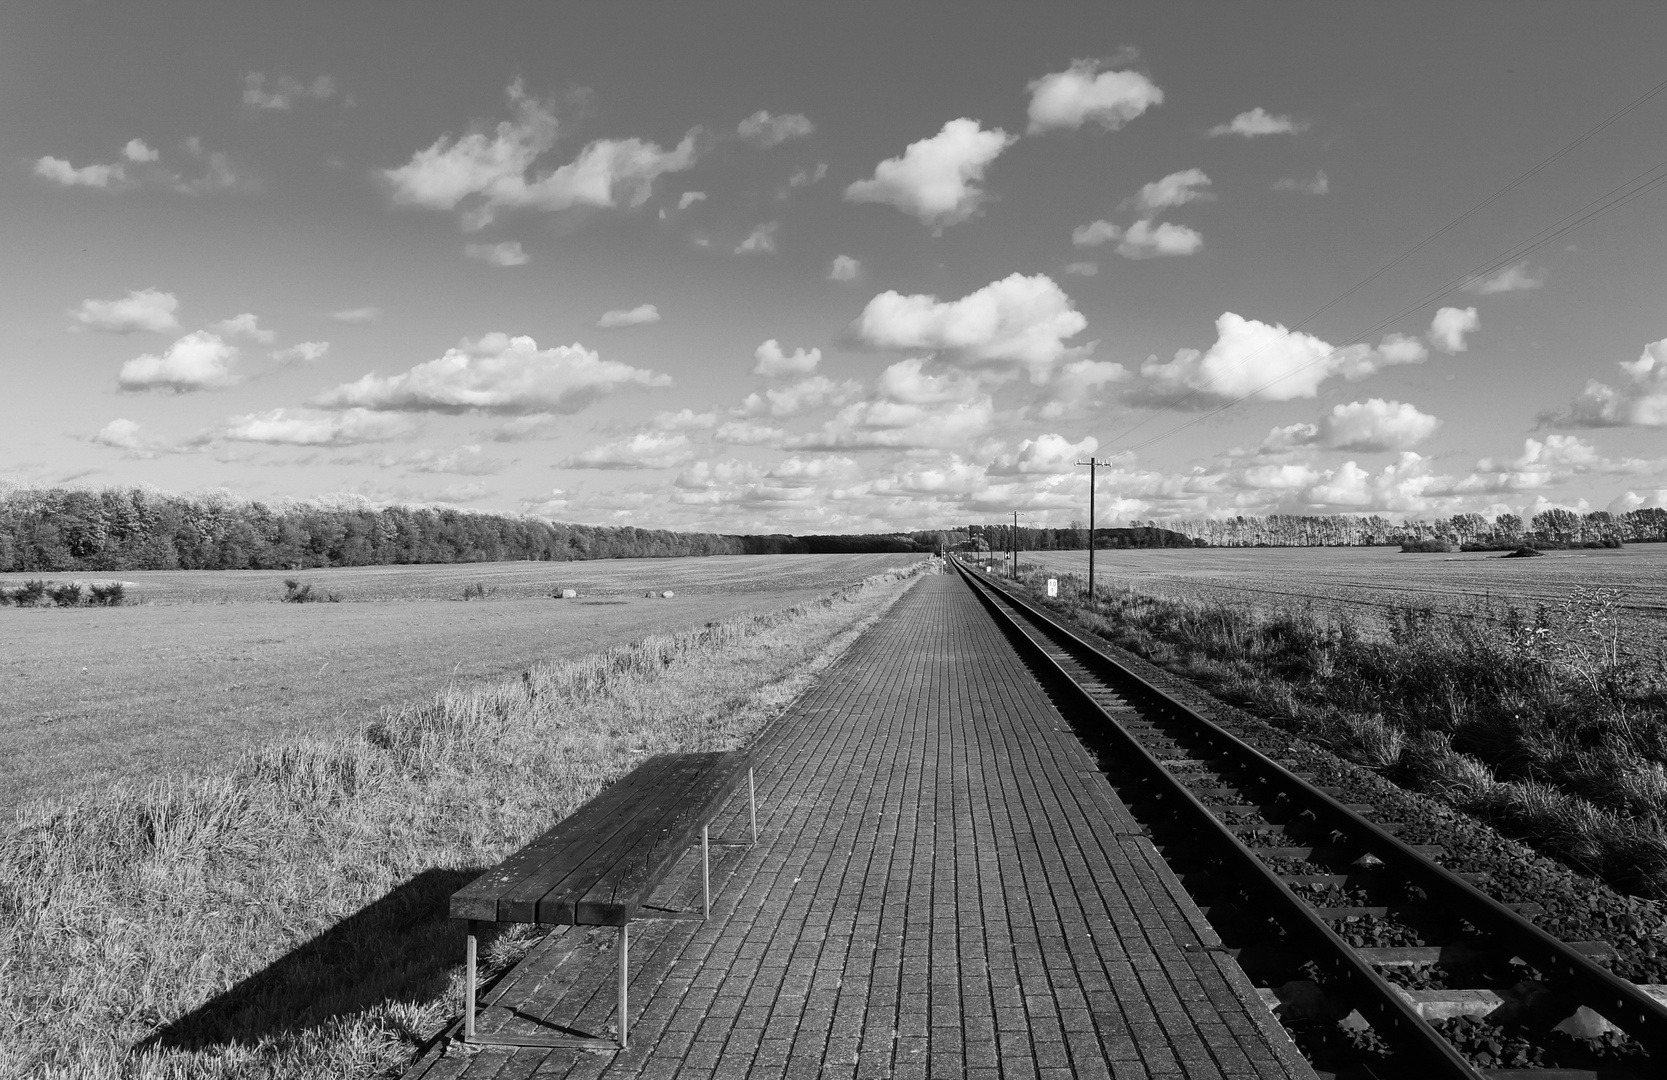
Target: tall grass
x=1552 y=726
x=288 y=917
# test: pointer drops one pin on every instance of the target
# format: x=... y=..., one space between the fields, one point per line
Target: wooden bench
x=598 y=866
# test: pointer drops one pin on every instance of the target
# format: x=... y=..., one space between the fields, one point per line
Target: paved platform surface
x=945 y=886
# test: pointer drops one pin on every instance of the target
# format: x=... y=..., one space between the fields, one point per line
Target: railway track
x=1303 y=887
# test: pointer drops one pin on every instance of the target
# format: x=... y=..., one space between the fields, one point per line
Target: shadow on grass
x=398 y=949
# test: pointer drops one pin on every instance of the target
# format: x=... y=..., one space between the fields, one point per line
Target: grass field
x=204 y=664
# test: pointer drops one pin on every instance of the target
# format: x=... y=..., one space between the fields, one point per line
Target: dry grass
x=287 y=916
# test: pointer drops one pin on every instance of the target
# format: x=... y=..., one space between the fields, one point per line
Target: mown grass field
x=202 y=665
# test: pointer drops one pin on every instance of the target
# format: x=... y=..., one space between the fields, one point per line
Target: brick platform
x=945 y=886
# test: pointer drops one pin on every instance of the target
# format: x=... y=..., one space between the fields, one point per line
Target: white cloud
x=936 y=179
x=640 y=315
x=1095 y=233
x=307 y=427
x=767 y=130
x=1143 y=240
x=1176 y=189
x=689 y=198
x=245 y=325
x=506 y=253
x=1019 y=320
x=749 y=433
x=217 y=175
x=1401 y=349
x=1082 y=269
x=464 y=461
x=684 y=420
x=1513 y=278
x=1290 y=437
x=282 y=91
x=303 y=352
x=1258 y=122
x=1082 y=93
x=358 y=316
x=1376 y=424
x=497 y=374
x=644 y=450
x=1639 y=401
x=908 y=381
x=1318 y=184
x=125 y=434
x=64 y=174
x=522 y=428
x=773 y=363
x=1450 y=325
x=1049 y=454
x=198 y=361
x=493 y=170
x=137 y=151
x=794 y=399
x=884 y=423
x=807 y=177
x=140 y=309
x=844 y=268
x=1270 y=363
x=761 y=239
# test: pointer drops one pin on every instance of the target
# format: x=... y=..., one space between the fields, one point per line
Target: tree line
x=61 y=530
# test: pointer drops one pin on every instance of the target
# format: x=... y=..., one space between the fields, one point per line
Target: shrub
x=297 y=593
x=66 y=595
x=112 y=595
x=1426 y=547
x=475 y=591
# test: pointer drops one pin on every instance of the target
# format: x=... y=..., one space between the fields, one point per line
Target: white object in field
x=1053 y=586
x=668 y=594
x=570 y=594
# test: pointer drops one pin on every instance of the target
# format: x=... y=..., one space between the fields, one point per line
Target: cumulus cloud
x=773 y=363
x=140 y=309
x=684 y=420
x=358 y=316
x=1318 y=184
x=1176 y=189
x=1017 y=320
x=141 y=165
x=1640 y=400
x=494 y=171
x=937 y=179
x=64 y=174
x=198 y=361
x=1376 y=424
x=689 y=198
x=1450 y=325
x=283 y=91
x=1082 y=93
x=507 y=253
x=883 y=423
x=794 y=399
x=1082 y=269
x=464 y=461
x=303 y=352
x=640 y=315
x=844 y=268
x=749 y=433
x=1401 y=349
x=760 y=240
x=644 y=450
x=246 y=326
x=1144 y=240
x=767 y=130
x=1269 y=363
x=807 y=177
x=1258 y=122
x=1516 y=277
x=137 y=151
x=497 y=374
x=1095 y=233
x=125 y=434
x=1049 y=454
x=308 y=427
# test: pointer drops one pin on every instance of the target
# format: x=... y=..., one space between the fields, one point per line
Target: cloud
x=308 y=427
x=1176 y=189
x=637 y=316
x=137 y=151
x=689 y=198
x=936 y=179
x=1049 y=454
x=807 y=177
x=497 y=374
x=1019 y=320
x=493 y=170
x=774 y=364
x=1401 y=349
x=463 y=461
x=1269 y=363
x=1258 y=122
x=303 y=352
x=246 y=326
x=749 y=433
x=1376 y=425
x=1082 y=269
x=899 y=425
x=64 y=174
x=1641 y=400
x=358 y=316
x=1450 y=325
x=844 y=268
x=767 y=130
x=1082 y=93
x=140 y=309
x=217 y=175
x=1143 y=240
x=761 y=239
x=797 y=398
x=522 y=428
x=684 y=420
x=198 y=361
x=1319 y=184
x=1095 y=233
x=125 y=434
x=282 y=91
x=1513 y=278
x=644 y=450
x=507 y=253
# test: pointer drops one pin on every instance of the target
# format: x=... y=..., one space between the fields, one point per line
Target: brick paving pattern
x=944 y=886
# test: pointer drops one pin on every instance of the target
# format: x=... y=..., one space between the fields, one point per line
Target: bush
x=297 y=593
x=29 y=593
x=475 y=591
x=66 y=595
x=112 y=595
x=1426 y=547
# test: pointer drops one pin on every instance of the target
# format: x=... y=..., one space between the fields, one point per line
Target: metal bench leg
x=752 y=805
x=706 y=869
x=624 y=967
x=469 y=987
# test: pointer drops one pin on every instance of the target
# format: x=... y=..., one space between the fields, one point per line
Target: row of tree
x=1555 y=527
x=59 y=530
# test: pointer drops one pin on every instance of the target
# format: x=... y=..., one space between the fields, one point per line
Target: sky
x=837 y=268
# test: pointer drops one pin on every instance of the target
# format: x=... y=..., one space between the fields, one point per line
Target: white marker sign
x=1053 y=586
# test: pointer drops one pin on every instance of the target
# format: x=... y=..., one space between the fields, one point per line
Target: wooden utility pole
x=1092 y=463
x=1015 y=545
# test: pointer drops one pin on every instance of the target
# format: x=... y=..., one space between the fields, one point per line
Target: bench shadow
x=399 y=948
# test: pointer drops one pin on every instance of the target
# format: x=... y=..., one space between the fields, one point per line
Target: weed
x=29 y=593
x=113 y=594
x=297 y=593
x=65 y=595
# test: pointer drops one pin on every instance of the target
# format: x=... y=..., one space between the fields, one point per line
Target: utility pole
x=1015 y=545
x=1092 y=463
